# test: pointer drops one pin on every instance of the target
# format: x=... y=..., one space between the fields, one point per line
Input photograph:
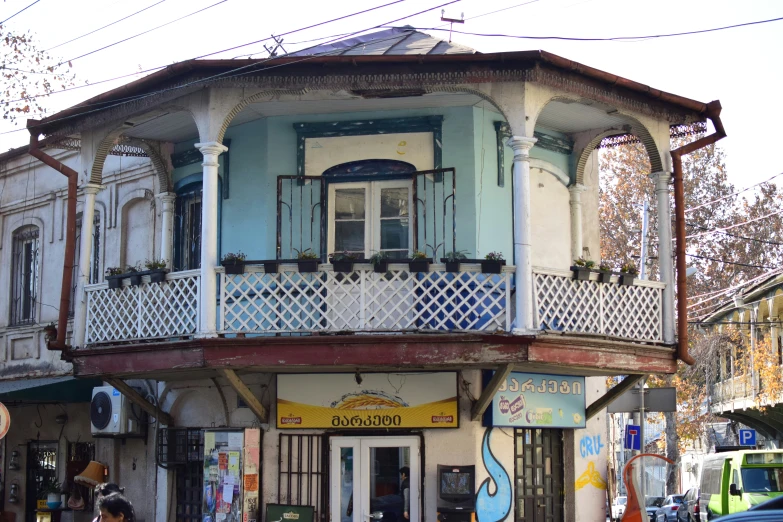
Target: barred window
x=187 y=228
x=25 y=261
x=95 y=259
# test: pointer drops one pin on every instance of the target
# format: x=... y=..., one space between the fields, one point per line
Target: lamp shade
x=92 y=475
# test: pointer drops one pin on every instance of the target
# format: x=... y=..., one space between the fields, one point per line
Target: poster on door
x=223 y=465
x=367 y=400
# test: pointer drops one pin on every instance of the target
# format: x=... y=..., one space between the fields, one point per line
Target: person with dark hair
x=116 y=508
x=104 y=490
x=405 y=488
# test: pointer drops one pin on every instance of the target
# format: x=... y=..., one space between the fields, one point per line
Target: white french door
x=365 y=480
x=372 y=216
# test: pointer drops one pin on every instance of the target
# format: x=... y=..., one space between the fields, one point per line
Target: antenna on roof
x=273 y=51
x=451 y=21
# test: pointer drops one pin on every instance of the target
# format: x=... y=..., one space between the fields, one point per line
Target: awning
x=48 y=389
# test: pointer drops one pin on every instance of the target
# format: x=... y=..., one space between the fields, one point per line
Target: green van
x=736 y=480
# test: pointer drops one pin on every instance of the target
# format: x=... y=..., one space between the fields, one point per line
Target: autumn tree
x=29 y=74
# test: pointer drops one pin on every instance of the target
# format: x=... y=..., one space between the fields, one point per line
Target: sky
x=741 y=67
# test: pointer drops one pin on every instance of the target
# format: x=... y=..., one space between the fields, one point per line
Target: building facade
x=274 y=383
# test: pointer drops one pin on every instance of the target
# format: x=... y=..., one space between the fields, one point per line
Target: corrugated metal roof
x=395 y=41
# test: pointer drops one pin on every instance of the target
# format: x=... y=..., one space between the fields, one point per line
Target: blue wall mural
x=493 y=507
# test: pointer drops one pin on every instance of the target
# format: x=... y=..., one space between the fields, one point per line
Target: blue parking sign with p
x=633 y=440
x=747 y=437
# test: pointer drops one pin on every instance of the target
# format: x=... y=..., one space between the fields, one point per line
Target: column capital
x=211 y=147
x=576 y=189
x=521 y=144
x=92 y=188
x=662 y=177
x=167 y=197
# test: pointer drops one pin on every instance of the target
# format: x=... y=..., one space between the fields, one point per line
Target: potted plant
x=51 y=491
x=419 y=262
x=133 y=272
x=307 y=260
x=453 y=260
x=628 y=273
x=492 y=263
x=343 y=261
x=157 y=270
x=234 y=263
x=582 y=268
x=604 y=273
x=113 y=276
x=380 y=262
x=271 y=265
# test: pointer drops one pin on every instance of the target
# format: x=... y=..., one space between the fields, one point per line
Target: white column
x=665 y=251
x=575 y=192
x=85 y=255
x=209 y=235
x=167 y=231
x=522 y=242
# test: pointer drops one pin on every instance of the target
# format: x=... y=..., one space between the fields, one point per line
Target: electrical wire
x=142 y=33
x=105 y=26
x=611 y=39
x=746 y=304
x=745 y=283
x=211 y=54
x=714 y=230
x=729 y=262
x=731 y=195
x=20 y=11
x=735 y=235
x=231 y=73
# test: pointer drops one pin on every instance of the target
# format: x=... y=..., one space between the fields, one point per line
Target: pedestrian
x=104 y=490
x=405 y=489
x=116 y=508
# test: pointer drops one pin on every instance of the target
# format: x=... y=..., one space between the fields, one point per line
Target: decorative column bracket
x=243 y=391
x=501 y=374
x=136 y=398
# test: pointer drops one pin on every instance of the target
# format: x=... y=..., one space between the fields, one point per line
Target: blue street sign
x=633 y=440
x=747 y=437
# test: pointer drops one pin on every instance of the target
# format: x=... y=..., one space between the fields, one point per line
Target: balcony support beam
x=209 y=236
x=136 y=398
x=489 y=391
x=243 y=391
x=523 y=320
x=610 y=396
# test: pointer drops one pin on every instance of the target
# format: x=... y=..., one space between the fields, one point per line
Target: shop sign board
x=5 y=420
x=289 y=513
x=367 y=400
x=537 y=400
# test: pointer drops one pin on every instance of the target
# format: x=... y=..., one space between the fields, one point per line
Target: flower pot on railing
x=454 y=259
x=233 y=267
x=135 y=278
x=114 y=281
x=627 y=279
x=492 y=266
x=307 y=265
x=605 y=276
x=343 y=262
x=157 y=275
x=451 y=266
x=271 y=266
x=419 y=264
x=380 y=266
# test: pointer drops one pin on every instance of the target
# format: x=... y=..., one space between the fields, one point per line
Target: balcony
x=291 y=302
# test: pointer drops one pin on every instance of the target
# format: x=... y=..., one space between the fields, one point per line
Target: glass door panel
x=350 y=220
x=394 y=221
x=344 y=479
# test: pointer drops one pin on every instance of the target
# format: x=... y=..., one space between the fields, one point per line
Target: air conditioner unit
x=110 y=414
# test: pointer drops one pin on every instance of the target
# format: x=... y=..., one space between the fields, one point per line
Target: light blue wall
x=264 y=149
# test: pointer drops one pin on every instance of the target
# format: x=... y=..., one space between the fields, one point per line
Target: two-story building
x=326 y=379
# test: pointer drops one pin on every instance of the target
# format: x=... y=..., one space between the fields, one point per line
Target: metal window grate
x=24 y=298
x=302 y=472
x=538 y=474
x=187 y=230
x=190 y=476
x=41 y=471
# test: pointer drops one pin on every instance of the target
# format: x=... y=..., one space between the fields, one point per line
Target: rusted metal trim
x=610 y=396
x=713 y=113
x=488 y=393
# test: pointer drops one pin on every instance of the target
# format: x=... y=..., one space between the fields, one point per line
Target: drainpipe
x=713 y=113
x=70 y=235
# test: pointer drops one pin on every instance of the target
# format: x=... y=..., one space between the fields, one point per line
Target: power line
x=616 y=38
x=731 y=195
x=233 y=72
x=105 y=26
x=735 y=235
x=715 y=230
x=142 y=33
x=16 y=13
x=729 y=289
x=211 y=54
x=729 y=262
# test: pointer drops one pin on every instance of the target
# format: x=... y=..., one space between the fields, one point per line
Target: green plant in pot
x=134 y=275
x=628 y=273
x=582 y=268
x=112 y=276
x=605 y=273
x=419 y=262
x=157 y=269
x=453 y=260
x=51 y=491
x=343 y=261
x=307 y=260
x=234 y=263
x=493 y=263
x=380 y=262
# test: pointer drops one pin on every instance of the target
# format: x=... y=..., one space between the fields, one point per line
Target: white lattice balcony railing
x=399 y=300
x=147 y=311
x=629 y=312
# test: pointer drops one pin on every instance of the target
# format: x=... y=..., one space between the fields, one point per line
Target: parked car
x=689 y=511
x=668 y=510
x=651 y=505
x=618 y=508
x=772 y=515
